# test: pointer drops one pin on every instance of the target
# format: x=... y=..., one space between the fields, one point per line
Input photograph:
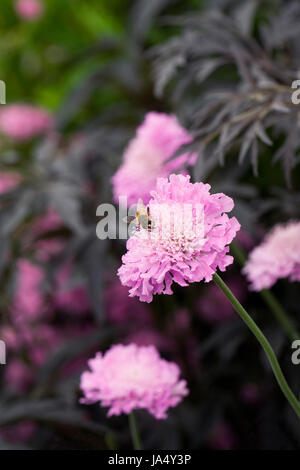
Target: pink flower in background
x=22 y=122
x=245 y=240
x=131 y=377
x=145 y=159
x=278 y=256
x=74 y=300
x=214 y=308
x=124 y=310
x=29 y=9
x=11 y=338
x=149 y=337
x=18 y=375
x=20 y=432
x=48 y=222
x=250 y=394
x=28 y=301
x=47 y=249
x=9 y=180
x=222 y=437
x=69 y=295
x=169 y=253
x=44 y=339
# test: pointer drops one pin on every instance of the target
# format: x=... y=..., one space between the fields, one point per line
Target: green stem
x=137 y=443
x=270 y=299
x=263 y=342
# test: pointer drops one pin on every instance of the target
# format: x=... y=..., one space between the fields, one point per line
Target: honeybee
x=142 y=217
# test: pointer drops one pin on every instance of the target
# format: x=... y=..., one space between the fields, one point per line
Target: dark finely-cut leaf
x=254 y=156
x=220 y=151
x=47 y=411
x=12 y=214
x=70 y=350
x=93 y=262
x=255 y=92
x=261 y=133
x=207 y=68
x=10 y=446
x=121 y=73
x=244 y=16
x=165 y=72
x=247 y=142
x=143 y=15
x=287 y=152
x=64 y=197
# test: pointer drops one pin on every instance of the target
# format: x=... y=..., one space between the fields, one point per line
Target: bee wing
x=140 y=206
x=129 y=219
x=143 y=220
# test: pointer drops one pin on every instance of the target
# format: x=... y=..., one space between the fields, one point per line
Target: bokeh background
x=93 y=69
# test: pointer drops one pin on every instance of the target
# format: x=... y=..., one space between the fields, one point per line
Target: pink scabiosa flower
x=74 y=300
x=129 y=377
x=222 y=437
x=9 y=180
x=29 y=10
x=18 y=376
x=145 y=158
x=188 y=241
x=123 y=310
x=250 y=393
x=48 y=222
x=70 y=296
x=28 y=302
x=22 y=122
x=278 y=256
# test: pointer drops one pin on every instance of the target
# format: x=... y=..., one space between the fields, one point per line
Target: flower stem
x=270 y=299
x=263 y=342
x=135 y=435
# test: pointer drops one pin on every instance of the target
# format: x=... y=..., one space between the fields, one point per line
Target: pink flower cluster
x=29 y=300
x=131 y=377
x=278 y=256
x=9 y=180
x=22 y=122
x=145 y=159
x=29 y=9
x=69 y=296
x=164 y=255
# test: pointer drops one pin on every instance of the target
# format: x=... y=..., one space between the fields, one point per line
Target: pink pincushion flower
x=9 y=180
x=29 y=9
x=222 y=437
x=70 y=296
x=22 y=122
x=18 y=375
x=250 y=394
x=188 y=241
x=145 y=159
x=29 y=300
x=278 y=256
x=20 y=432
x=74 y=300
x=124 y=310
x=48 y=222
x=131 y=377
